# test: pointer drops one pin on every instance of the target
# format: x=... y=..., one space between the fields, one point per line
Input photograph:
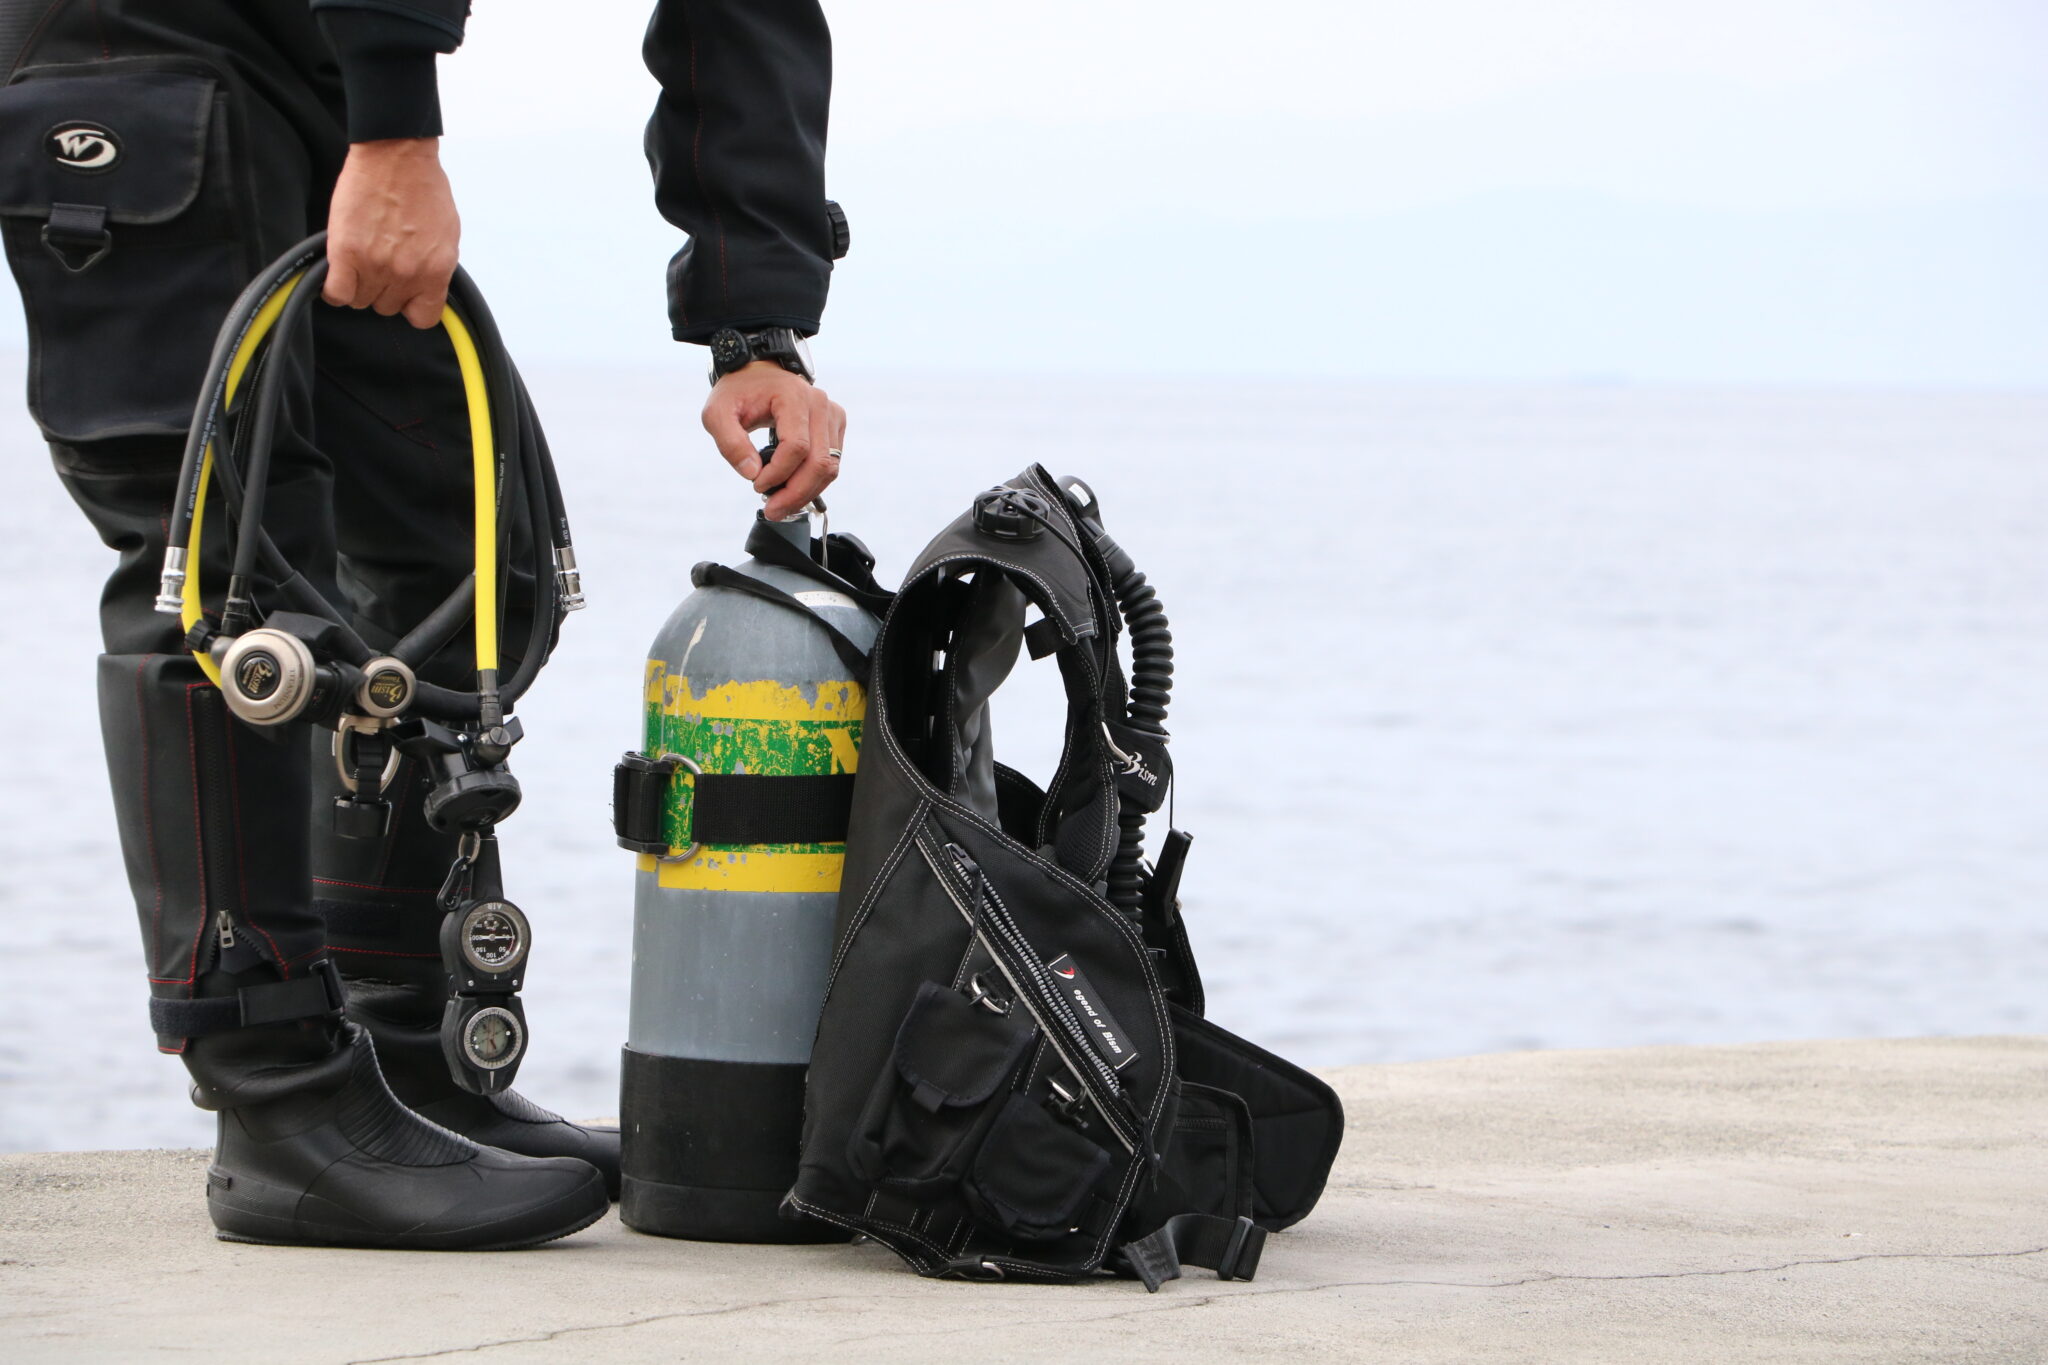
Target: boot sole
x=255 y=1227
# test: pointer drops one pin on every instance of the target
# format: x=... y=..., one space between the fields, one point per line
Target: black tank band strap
x=1229 y=1246
x=728 y=808
x=748 y=808
x=319 y=992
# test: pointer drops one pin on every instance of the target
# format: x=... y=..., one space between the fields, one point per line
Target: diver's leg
x=117 y=351
x=391 y=397
x=209 y=811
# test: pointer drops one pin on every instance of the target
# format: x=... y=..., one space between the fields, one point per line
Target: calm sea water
x=1506 y=717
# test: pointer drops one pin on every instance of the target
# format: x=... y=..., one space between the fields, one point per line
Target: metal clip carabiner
x=1127 y=763
x=455 y=886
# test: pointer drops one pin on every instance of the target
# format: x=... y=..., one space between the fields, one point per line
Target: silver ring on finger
x=835 y=452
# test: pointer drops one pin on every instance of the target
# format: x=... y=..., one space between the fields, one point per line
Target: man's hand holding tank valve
x=809 y=430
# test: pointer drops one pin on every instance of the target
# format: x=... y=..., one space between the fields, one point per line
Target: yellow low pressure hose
x=483 y=460
x=482 y=457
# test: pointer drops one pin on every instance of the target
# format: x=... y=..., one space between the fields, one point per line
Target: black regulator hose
x=1151 y=689
x=314 y=667
x=261 y=327
x=238 y=612
x=1151 y=683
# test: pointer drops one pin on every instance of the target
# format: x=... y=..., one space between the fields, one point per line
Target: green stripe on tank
x=763 y=728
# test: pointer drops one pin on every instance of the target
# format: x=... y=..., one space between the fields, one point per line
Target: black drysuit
x=228 y=121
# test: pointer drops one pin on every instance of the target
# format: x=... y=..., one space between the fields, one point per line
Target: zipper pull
x=224 y=927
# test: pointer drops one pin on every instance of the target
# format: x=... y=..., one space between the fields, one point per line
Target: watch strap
x=732 y=349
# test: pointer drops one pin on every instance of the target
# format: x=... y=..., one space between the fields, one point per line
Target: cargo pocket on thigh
x=121 y=228
x=931 y=1106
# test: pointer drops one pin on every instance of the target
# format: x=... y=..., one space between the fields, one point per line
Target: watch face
x=729 y=350
x=803 y=355
x=492 y=1038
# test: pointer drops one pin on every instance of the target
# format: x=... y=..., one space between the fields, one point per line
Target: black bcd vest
x=1012 y=1077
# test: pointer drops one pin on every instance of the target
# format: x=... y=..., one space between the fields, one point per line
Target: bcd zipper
x=1026 y=975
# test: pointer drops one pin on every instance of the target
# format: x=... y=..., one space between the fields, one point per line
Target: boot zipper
x=1026 y=975
x=218 y=826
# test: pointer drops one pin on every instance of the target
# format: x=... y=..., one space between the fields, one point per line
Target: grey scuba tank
x=737 y=807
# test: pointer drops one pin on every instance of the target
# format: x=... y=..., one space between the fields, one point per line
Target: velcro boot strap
x=319 y=992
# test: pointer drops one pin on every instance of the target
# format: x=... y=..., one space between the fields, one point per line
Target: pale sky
x=1741 y=191
x=1748 y=190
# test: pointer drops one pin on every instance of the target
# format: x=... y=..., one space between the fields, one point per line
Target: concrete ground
x=1844 y=1201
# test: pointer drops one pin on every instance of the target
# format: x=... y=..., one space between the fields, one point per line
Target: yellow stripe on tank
x=841 y=700
x=730 y=869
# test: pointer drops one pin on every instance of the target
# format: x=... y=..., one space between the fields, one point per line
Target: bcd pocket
x=1033 y=1172
x=954 y=1054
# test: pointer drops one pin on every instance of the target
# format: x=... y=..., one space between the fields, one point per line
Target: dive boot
x=348 y=1165
x=383 y=928
x=403 y=1019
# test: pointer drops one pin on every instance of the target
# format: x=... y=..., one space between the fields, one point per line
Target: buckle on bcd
x=1233 y=1259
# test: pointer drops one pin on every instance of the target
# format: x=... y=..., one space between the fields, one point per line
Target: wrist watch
x=732 y=349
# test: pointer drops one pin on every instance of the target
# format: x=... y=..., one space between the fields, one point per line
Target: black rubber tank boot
x=403 y=1019
x=348 y=1165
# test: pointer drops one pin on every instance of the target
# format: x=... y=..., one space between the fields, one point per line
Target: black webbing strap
x=316 y=993
x=77 y=236
x=1229 y=1246
x=753 y=808
x=729 y=808
x=857 y=581
x=1042 y=637
x=709 y=575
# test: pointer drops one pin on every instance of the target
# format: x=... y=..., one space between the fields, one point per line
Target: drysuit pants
x=225 y=828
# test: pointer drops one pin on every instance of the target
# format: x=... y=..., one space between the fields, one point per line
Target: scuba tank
x=755 y=694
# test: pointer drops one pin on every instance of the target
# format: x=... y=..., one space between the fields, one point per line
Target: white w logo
x=83 y=149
